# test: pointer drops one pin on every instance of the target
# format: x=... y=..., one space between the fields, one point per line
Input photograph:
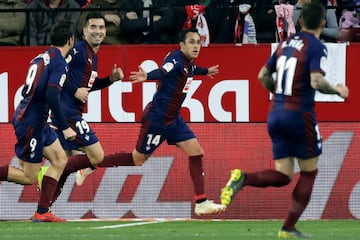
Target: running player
x=292 y=124
x=46 y=76
x=161 y=117
x=86 y=150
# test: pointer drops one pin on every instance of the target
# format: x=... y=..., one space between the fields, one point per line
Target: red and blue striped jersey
x=83 y=63
x=48 y=69
x=293 y=61
x=176 y=75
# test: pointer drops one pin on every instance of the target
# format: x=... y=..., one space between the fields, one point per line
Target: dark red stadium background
x=232 y=132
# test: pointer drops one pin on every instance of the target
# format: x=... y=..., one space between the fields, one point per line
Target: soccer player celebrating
x=35 y=138
x=292 y=125
x=82 y=79
x=161 y=117
x=162 y=121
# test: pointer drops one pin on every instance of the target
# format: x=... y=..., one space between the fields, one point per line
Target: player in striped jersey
x=86 y=151
x=163 y=121
x=83 y=78
x=161 y=117
x=292 y=125
x=44 y=81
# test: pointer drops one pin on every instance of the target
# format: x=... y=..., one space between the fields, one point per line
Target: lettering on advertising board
x=158 y=194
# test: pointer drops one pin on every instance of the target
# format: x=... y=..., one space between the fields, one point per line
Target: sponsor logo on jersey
x=68 y=59
x=62 y=79
x=92 y=78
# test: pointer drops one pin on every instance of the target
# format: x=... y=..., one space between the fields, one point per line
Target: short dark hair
x=93 y=15
x=182 y=34
x=61 y=32
x=313 y=14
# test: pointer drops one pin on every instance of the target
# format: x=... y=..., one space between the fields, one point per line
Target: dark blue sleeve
x=156 y=74
x=200 y=71
x=101 y=83
x=318 y=58
x=271 y=62
x=69 y=87
x=52 y=96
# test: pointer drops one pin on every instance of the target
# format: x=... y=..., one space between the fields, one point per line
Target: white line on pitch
x=129 y=224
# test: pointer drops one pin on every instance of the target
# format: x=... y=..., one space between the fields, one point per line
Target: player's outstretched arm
x=212 y=71
x=138 y=76
x=116 y=74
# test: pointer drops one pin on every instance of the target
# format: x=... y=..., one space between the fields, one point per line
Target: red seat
x=349 y=35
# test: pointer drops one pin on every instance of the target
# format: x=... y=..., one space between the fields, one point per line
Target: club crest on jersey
x=62 y=79
x=46 y=58
x=168 y=66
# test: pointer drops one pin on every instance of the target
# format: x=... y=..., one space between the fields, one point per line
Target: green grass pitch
x=173 y=230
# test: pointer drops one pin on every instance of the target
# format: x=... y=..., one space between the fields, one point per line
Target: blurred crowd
x=27 y=22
